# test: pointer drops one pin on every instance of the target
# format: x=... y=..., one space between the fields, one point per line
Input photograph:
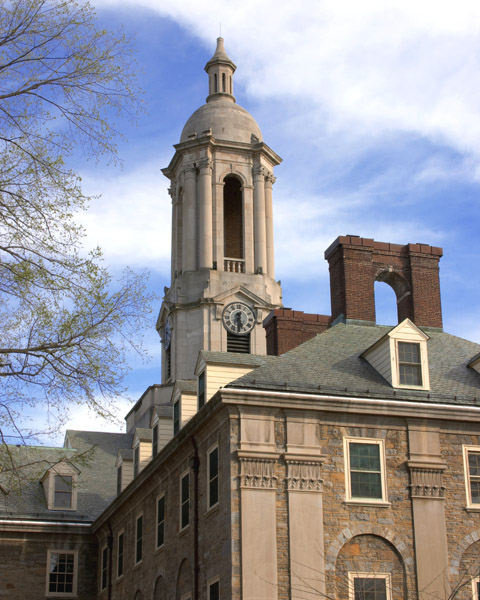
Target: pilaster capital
x=172 y=190
x=426 y=480
x=304 y=475
x=190 y=168
x=269 y=177
x=259 y=171
x=205 y=163
x=258 y=473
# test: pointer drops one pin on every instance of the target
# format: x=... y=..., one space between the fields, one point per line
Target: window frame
x=104 y=568
x=387 y=577
x=210 y=583
x=158 y=522
x=418 y=364
x=155 y=440
x=215 y=478
x=73 y=593
x=202 y=389
x=177 y=412
x=139 y=540
x=476 y=588
x=349 y=498
x=136 y=460
x=467 y=449
x=69 y=493
x=181 y=503
x=120 y=555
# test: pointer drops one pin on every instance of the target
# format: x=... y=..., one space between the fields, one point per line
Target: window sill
x=375 y=503
x=159 y=549
x=138 y=564
x=184 y=530
x=212 y=509
x=473 y=509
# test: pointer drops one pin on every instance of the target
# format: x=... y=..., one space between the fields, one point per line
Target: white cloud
x=131 y=219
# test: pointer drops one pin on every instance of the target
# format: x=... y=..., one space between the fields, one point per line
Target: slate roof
x=331 y=363
x=236 y=358
x=93 y=453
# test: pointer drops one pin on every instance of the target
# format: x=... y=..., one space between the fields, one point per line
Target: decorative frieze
x=304 y=476
x=426 y=482
x=258 y=473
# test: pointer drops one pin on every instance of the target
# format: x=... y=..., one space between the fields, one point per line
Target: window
x=212 y=477
x=120 y=554
x=184 y=500
x=214 y=589
x=61 y=573
x=104 y=575
x=139 y=539
x=369 y=586
x=201 y=390
x=176 y=417
x=364 y=470
x=409 y=364
x=476 y=588
x=160 y=521
x=63 y=491
x=471 y=461
x=155 y=441
x=136 y=460
x=119 y=479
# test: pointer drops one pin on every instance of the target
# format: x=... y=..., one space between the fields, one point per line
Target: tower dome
x=221 y=115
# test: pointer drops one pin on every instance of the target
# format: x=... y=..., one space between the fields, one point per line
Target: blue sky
x=373 y=107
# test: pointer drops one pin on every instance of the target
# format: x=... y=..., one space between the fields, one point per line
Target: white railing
x=234 y=265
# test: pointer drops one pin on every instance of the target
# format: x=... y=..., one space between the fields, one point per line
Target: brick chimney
x=412 y=271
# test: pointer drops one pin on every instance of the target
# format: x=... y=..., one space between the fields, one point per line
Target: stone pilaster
x=189 y=213
x=260 y=242
x=428 y=507
x=205 y=226
x=269 y=181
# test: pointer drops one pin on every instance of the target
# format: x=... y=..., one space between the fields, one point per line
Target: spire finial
x=220 y=69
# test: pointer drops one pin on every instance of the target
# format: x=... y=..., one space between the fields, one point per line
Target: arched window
x=233 y=218
x=385 y=304
x=223 y=83
x=215 y=83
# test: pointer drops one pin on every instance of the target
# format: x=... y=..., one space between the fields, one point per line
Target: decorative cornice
x=258 y=473
x=426 y=481
x=304 y=476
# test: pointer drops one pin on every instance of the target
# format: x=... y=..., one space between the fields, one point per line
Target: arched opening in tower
x=233 y=218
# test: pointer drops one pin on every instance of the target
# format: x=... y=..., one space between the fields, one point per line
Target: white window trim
x=210 y=582
x=101 y=587
x=352 y=575
x=209 y=451
x=383 y=501
x=157 y=547
x=182 y=475
x=117 y=576
x=475 y=582
x=466 y=471
x=75 y=574
x=138 y=562
x=61 y=470
x=396 y=363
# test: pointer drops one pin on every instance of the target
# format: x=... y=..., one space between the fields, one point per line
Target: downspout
x=196 y=566
x=110 y=559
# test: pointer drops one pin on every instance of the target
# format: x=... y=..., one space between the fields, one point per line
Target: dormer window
x=409 y=364
x=60 y=485
x=155 y=441
x=401 y=357
x=63 y=494
x=201 y=390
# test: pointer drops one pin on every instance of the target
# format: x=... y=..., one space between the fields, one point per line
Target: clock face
x=238 y=318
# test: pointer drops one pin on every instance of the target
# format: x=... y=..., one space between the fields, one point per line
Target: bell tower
x=222 y=273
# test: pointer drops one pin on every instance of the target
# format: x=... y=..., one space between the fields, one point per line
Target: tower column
x=205 y=214
x=260 y=243
x=269 y=181
x=189 y=217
